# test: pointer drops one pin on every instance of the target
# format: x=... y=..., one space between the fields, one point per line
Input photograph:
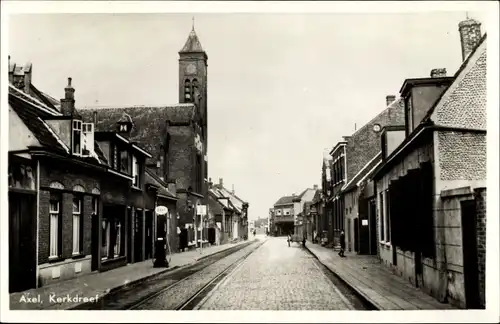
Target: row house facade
x=175 y=135
x=230 y=212
x=431 y=189
x=68 y=201
x=351 y=161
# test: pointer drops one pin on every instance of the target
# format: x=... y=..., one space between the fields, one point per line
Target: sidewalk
x=375 y=282
x=102 y=283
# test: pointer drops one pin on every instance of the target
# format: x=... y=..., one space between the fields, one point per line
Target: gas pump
x=161 y=243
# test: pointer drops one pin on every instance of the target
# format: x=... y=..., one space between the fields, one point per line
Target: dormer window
x=123 y=128
x=77 y=138
x=135 y=172
x=87 y=139
x=82 y=140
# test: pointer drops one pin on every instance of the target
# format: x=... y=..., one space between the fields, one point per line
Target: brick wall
x=181 y=157
x=69 y=176
x=481 y=240
x=462 y=156
x=365 y=143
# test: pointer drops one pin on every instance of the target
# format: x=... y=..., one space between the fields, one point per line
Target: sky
x=282 y=88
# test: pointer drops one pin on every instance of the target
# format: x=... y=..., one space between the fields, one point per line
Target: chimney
x=221 y=183
x=470 y=35
x=233 y=190
x=315 y=187
x=68 y=103
x=346 y=138
x=389 y=99
x=27 y=77
x=438 y=73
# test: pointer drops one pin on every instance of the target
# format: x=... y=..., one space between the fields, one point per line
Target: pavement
x=102 y=283
x=276 y=277
x=375 y=282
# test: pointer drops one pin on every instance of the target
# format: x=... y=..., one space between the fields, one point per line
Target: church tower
x=193 y=89
x=193 y=76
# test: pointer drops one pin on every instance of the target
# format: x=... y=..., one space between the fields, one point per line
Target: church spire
x=192 y=44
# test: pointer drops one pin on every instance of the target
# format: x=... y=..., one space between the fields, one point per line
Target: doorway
x=372 y=218
x=139 y=215
x=22 y=241
x=469 y=243
x=94 y=243
x=356 y=234
x=148 y=249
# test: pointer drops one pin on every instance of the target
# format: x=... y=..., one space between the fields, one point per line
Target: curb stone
x=358 y=291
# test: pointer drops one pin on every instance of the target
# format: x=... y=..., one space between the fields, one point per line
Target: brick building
x=175 y=135
x=431 y=188
x=351 y=160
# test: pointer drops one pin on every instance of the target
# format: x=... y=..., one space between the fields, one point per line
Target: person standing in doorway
x=342 y=244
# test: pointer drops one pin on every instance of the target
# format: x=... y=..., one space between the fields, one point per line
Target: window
x=88 y=139
x=77 y=228
x=387 y=217
x=55 y=229
x=187 y=91
x=115 y=157
x=382 y=217
x=124 y=162
x=95 y=206
x=113 y=234
x=194 y=91
x=135 y=172
x=77 y=137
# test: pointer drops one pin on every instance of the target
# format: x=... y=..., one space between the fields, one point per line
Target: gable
x=20 y=137
x=463 y=105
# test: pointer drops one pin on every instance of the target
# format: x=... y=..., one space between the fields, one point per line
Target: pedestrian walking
x=304 y=240
x=289 y=238
x=342 y=244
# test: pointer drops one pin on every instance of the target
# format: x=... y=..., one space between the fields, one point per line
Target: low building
x=284 y=216
x=431 y=189
x=55 y=225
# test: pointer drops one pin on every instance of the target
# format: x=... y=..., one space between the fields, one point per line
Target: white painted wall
x=20 y=137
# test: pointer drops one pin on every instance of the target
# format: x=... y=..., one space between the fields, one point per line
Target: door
x=356 y=234
x=22 y=242
x=94 y=243
x=469 y=243
x=148 y=249
x=139 y=216
x=364 y=232
x=129 y=235
x=372 y=219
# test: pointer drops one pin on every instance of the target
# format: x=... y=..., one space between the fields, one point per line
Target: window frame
x=58 y=231
x=87 y=142
x=136 y=172
x=77 y=250
x=382 y=217
x=76 y=127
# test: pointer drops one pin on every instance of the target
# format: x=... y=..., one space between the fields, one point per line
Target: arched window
x=78 y=188
x=96 y=191
x=194 y=91
x=56 y=185
x=187 y=91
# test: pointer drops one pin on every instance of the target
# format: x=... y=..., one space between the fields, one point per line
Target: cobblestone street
x=277 y=277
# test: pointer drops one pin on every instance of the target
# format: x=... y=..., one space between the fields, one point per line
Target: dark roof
x=162 y=186
x=368 y=168
x=286 y=200
x=317 y=196
x=215 y=206
x=423 y=81
x=148 y=123
x=32 y=118
x=192 y=44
